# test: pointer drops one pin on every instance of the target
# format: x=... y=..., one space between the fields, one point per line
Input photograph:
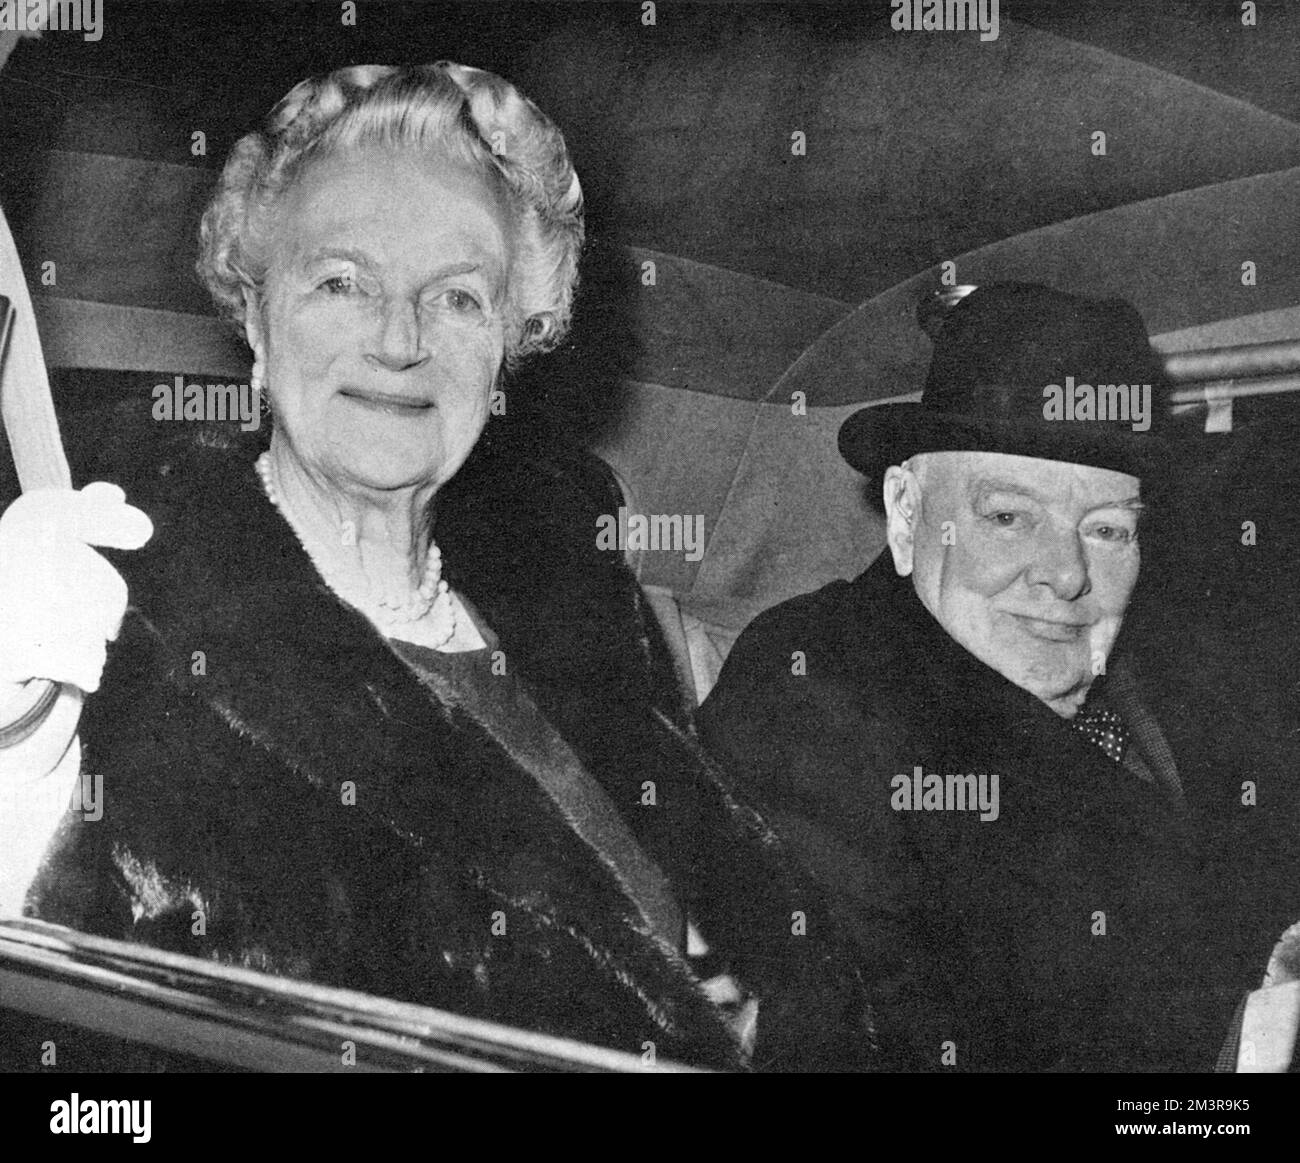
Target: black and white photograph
x=650 y=537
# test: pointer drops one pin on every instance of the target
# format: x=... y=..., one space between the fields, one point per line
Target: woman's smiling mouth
x=389 y=403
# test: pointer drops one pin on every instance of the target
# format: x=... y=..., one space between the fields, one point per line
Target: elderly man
x=1042 y=868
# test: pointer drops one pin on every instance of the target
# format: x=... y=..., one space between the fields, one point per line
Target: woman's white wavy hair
x=459 y=112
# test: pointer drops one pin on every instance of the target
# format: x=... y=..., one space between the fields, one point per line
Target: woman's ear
x=902 y=497
x=254 y=330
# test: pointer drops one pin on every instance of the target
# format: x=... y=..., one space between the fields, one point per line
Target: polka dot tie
x=1104 y=728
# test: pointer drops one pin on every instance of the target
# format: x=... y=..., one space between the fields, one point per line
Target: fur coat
x=241 y=696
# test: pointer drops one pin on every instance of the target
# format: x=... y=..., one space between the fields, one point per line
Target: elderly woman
x=379 y=713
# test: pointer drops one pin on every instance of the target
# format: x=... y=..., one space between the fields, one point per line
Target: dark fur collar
x=300 y=694
x=223 y=788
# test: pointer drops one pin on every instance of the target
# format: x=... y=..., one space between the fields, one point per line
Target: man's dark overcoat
x=1101 y=922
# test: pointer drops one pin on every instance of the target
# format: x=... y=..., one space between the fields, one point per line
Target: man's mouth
x=1050 y=630
x=390 y=403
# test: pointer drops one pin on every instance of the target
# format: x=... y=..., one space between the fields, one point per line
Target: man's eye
x=1006 y=520
x=1115 y=533
x=339 y=285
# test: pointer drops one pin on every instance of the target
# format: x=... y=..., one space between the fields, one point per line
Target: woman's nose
x=1060 y=563
x=400 y=343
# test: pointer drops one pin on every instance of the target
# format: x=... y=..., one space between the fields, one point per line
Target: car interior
x=727 y=322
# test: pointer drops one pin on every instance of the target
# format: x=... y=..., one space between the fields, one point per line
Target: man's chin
x=1057 y=673
x=1063 y=690
x=1062 y=683
x=1066 y=703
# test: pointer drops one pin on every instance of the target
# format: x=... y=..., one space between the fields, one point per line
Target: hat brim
x=874 y=438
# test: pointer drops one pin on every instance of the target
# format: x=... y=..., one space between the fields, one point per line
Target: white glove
x=60 y=601
x=1271 y=1022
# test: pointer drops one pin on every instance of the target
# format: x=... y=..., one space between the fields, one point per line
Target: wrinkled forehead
x=395 y=201
x=969 y=475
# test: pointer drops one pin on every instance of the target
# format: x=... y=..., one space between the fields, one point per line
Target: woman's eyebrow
x=361 y=258
x=460 y=268
x=328 y=252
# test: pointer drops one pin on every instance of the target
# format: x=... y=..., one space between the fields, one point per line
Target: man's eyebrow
x=1135 y=503
x=983 y=486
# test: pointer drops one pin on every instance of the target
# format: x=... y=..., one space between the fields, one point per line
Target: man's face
x=1029 y=564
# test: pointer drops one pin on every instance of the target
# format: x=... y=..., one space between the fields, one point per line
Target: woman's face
x=382 y=322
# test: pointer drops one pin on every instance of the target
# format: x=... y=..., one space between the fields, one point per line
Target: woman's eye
x=462 y=302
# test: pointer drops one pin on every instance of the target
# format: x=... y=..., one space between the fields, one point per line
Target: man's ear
x=902 y=496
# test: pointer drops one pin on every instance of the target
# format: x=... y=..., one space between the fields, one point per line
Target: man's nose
x=399 y=344
x=1060 y=563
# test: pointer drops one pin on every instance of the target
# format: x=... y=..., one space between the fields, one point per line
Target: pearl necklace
x=432 y=601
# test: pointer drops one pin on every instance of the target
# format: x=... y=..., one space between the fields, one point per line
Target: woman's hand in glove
x=61 y=602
